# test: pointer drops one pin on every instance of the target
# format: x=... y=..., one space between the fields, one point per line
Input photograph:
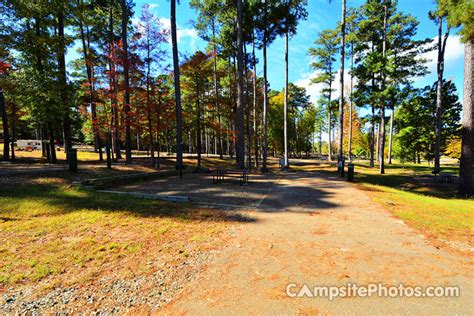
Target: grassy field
x=58 y=235
x=410 y=194
x=444 y=218
x=60 y=155
x=431 y=207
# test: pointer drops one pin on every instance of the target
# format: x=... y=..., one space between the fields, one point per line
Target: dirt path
x=320 y=231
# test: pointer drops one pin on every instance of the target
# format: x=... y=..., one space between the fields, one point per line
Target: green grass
x=64 y=235
x=406 y=176
x=450 y=219
x=431 y=208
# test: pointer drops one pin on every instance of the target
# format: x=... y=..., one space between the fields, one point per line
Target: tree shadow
x=411 y=184
x=412 y=178
x=54 y=200
x=264 y=192
x=299 y=198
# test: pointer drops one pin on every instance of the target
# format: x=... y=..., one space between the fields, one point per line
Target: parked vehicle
x=28 y=144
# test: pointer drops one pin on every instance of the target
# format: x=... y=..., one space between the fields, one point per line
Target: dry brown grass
x=59 y=235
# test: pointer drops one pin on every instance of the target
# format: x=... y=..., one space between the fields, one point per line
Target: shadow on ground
x=30 y=201
x=416 y=179
x=304 y=192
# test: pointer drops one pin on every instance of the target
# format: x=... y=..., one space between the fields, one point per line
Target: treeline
x=120 y=92
x=384 y=58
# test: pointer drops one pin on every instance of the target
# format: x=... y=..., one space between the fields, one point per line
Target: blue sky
x=322 y=14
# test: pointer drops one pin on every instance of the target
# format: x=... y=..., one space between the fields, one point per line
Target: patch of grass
x=431 y=208
x=198 y=238
x=60 y=155
x=416 y=178
x=55 y=233
x=451 y=219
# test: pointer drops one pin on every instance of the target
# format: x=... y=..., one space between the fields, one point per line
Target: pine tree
x=341 y=82
x=177 y=88
x=323 y=60
x=294 y=11
x=439 y=17
x=460 y=15
x=126 y=73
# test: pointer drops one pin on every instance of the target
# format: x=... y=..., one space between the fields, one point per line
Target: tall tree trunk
x=216 y=92
x=382 y=141
x=321 y=142
x=177 y=89
x=137 y=134
x=126 y=79
x=148 y=102
x=52 y=145
x=205 y=134
x=390 y=142
x=329 y=133
x=198 y=121
x=40 y=132
x=45 y=143
x=113 y=87
x=240 y=150
x=13 y=138
x=108 y=151
x=150 y=132
x=216 y=146
x=439 y=89
x=116 y=125
x=377 y=142
x=235 y=86
x=382 y=111
x=247 y=112
x=285 y=108
x=6 y=135
x=466 y=175
x=265 y=94
x=51 y=153
x=341 y=82
x=351 y=106
x=372 y=137
x=254 y=81
x=190 y=142
x=232 y=94
x=158 y=123
x=329 y=122
x=63 y=81
x=372 y=105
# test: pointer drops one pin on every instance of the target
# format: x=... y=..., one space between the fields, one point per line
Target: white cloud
x=135 y=21
x=166 y=22
x=188 y=33
x=454 y=54
x=152 y=6
x=182 y=33
x=314 y=90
